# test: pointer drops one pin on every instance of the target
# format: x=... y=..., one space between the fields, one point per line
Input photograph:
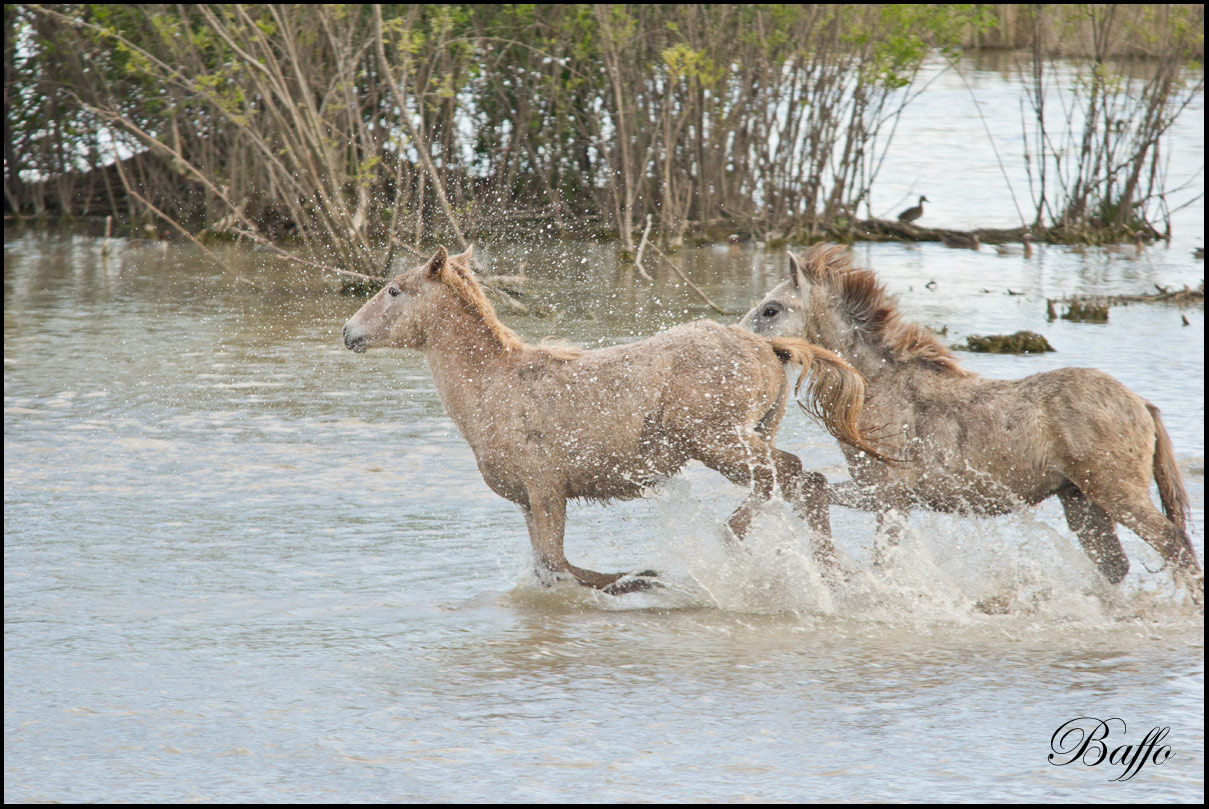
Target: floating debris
x=1163 y=294
x=1085 y=311
x=1022 y=342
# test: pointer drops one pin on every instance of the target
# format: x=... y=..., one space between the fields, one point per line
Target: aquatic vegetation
x=1021 y=342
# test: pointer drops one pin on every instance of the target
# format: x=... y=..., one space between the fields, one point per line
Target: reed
x=345 y=126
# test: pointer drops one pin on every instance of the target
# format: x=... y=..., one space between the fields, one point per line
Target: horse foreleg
x=807 y=493
x=546 y=517
x=1096 y=533
x=891 y=522
x=850 y=494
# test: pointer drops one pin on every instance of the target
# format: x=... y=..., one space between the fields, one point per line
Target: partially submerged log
x=1163 y=295
x=1084 y=307
x=891 y=230
x=507 y=297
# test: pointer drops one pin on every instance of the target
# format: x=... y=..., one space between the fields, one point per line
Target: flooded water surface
x=245 y=564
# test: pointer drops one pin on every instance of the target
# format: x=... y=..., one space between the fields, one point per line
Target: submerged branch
x=695 y=288
x=1162 y=294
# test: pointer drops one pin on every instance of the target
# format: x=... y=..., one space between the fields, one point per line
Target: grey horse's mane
x=869 y=306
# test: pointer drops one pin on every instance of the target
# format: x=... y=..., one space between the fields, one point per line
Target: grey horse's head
x=783 y=312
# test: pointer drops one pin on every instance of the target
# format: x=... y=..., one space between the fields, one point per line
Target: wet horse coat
x=986 y=446
x=547 y=424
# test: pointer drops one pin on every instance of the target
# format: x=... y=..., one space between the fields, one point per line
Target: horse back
x=611 y=421
x=985 y=445
x=1103 y=429
x=1089 y=413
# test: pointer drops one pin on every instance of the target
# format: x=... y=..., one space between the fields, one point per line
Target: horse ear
x=795 y=272
x=437 y=262
x=462 y=262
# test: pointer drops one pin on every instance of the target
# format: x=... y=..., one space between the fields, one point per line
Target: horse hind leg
x=743 y=466
x=757 y=464
x=1130 y=505
x=740 y=519
x=1096 y=533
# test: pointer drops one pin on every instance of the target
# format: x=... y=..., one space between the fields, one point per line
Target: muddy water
x=242 y=563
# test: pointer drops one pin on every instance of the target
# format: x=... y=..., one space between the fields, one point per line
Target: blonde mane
x=461 y=282
x=867 y=303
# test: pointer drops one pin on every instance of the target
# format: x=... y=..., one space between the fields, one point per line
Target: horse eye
x=771 y=311
x=394 y=291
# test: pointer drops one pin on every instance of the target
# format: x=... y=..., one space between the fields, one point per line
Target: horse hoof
x=1193 y=582
x=633 y=583
x=994 y=605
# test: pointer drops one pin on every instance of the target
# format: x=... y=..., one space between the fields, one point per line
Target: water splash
x=1011 y=574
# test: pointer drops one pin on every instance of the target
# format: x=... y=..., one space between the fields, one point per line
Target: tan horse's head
x=396 y=316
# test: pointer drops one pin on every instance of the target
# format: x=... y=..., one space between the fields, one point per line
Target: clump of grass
x=1086 y=312
x=1022 y=342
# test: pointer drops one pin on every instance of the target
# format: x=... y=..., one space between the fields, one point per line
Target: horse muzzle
x=354 y=342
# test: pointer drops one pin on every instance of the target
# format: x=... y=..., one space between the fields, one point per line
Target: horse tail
x=1167 y=475
x=836 y=392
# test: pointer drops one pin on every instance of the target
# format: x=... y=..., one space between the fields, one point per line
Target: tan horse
x=547 y=424
x=986 y=446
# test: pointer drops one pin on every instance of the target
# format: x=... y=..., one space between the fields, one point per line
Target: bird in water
x=155 y=238
x=1136 y=246
x=1011 y=250
x=961 y=241
x=911 y=214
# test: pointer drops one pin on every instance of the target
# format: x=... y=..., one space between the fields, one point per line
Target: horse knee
x=814 y=481
x=809 y=486
x=791 y=472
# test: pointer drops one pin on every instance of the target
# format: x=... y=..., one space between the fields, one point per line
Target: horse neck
x=464 y=354
x=873 y=359
x=862 y=352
